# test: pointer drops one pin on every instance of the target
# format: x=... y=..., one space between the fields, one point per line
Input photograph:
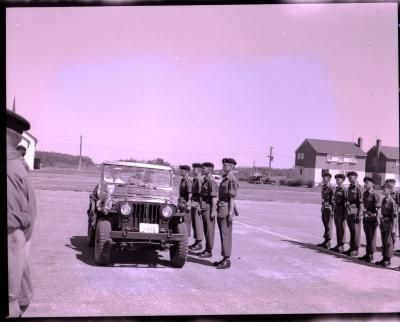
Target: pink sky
x=198 y=83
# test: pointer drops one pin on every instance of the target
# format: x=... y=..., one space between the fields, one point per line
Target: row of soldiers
x=358 y=206
x=204 y=203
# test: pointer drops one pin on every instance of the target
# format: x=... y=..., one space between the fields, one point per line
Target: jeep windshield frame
x=137 y=176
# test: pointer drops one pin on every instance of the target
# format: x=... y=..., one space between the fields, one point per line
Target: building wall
x=309 y=156
x=315 y=174
x=370 y=167
x=30 y=144
x=321 y=162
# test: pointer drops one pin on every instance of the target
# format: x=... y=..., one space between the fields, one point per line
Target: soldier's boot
x=380 y=262
x=196 y=246
x=224 y=264
x=363 y=258
x=370 y=258
x=321 y=244
x=205 y=254
x=386 y=262
x=327 y=244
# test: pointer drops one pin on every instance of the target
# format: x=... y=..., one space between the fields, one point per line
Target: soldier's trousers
x=327 y=221
x=225 y=232
x=188 y=220
x=26 y=291
x=355 y=232
x=370 y=225
x=209 y=228
x=387 y=238
x=197 y=223
x=340 y=224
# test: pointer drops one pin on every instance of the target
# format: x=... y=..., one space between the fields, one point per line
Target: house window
x=397 y=163
x=300 y=156
x=373 y=161
x=340 y=158
x=301 y=172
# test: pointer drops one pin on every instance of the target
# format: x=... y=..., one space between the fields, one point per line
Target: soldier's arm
x=233 y=187
x=189 y=187
x=378 y=205
x=361 y=202
x=214 y=197
x=16 y=262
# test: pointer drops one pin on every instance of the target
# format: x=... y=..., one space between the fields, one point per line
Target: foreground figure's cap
x=366 y=179
x=16 y=122
x=208 y=165
x=326 y=174
x=390 y=181
x=352 y=173
x=184 y=167
x=229 y=161
x=197 y=165
x=340 y=175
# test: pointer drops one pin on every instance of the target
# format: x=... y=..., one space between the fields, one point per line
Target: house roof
x=391 y=152
x=337 y=147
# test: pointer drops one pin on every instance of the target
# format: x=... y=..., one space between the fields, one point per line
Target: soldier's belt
x=222 y=203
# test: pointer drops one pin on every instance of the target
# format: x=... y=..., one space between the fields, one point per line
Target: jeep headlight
x=167 y=211
x=126 y=209
x=110 y=188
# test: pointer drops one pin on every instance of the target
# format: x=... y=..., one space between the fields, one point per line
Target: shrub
x=310 y=184
x=283 y=182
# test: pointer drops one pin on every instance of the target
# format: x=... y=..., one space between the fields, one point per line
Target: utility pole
x=271 y=158
x=80 y=154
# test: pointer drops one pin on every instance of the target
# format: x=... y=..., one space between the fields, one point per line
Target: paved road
x=276 y=269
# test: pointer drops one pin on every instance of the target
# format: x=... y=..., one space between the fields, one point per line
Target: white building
x=29 y=142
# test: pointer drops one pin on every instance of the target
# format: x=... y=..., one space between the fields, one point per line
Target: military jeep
x=133 y=206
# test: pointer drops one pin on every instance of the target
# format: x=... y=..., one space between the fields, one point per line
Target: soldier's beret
x=352 y=173
x=16 y=122
x=208 y=165
x=197 y=165
x=369 y=179
x=184 y=167
x=340 y=175
x=229 y=161
x=21 y=147
x=326 y=174
x=390 y=181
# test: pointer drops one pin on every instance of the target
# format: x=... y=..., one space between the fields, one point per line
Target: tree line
x=62 y=160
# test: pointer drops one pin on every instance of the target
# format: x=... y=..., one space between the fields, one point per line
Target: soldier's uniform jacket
x=227 y=189
x=340 y=196
x=354 y=198
x=396 y=198
x=196 y=189
x=371 y=203
x=327 y=197
x=185 y=188
x=389 y=213
x=21 y=202
x=209 y=189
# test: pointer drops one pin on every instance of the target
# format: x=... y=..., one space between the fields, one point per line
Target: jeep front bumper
x=144 y=237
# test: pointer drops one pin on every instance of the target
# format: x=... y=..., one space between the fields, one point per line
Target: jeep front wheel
x=90 y=234
x=102 y=246
x=178 y=252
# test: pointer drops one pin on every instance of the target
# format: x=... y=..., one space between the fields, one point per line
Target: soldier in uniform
x=355 y=211
x=370 y=222
x=22 y=151
x=21 y=212
x=327 y=209
x=185 y=195
x=208 y=207
x=197 y=222
x=226 y=210
x=387 y=225
x=340 y=212
x=396 y=197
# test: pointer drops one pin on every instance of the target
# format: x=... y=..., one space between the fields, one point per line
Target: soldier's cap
x=352 y=173
x=208 y=165
x=21 y=147
x=340 y=175
x=369 y=179
x=184 y=167
x=16 y=122
x=326 y=174
x=197 y=165
x=390 y=181
x=229 y=161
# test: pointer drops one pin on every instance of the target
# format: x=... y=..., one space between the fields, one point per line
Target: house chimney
x=360 y=142
x=378 y=148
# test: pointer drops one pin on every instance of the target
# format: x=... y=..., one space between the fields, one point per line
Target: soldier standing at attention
x=371 y=213
x=197 y=222
x=21 y=212
x=208 y=206
x=340 y=212
x=396 y=197
x=327 y=209
x=22 y=151
x=355 y=210
x=387 y=222
x=226 y=210
x=185 y=195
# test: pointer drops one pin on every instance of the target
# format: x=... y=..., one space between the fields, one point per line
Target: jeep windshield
x=137 y=176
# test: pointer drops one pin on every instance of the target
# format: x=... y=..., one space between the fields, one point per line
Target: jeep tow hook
x=124 y=232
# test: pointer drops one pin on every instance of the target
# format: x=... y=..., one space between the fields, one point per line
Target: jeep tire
x=90 y=234
x=178 y=252
x=102 y=245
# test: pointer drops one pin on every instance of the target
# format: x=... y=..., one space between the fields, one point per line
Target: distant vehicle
x=217 y=178
x=260 y=179
x=133 y=205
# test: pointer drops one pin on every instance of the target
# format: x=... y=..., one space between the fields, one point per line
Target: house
x=29 y=142
x=383 y=163
x=315 y=155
